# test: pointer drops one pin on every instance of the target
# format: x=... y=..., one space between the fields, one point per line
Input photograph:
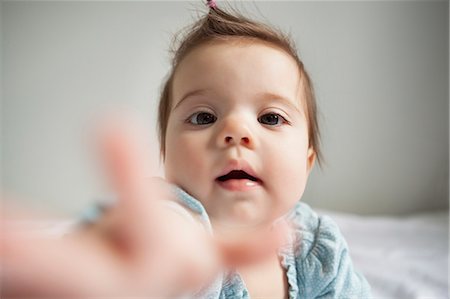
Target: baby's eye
x=201 y=118
x=272 y=119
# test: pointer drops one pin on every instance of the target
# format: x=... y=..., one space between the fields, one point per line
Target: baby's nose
x=230 y=139
x=235 y=133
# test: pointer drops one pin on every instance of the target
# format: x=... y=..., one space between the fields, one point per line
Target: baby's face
x=237 y=135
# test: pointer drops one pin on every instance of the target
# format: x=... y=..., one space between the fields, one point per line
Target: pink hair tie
x=212 y=4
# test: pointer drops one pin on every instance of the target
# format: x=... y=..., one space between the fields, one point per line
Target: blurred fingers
x=254 y=246
x=37 y=265
x=127 y=157
x=126 y=154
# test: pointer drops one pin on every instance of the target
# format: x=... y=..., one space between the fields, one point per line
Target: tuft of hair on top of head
x=225 y=25
x=222 y=23
x=211 y=4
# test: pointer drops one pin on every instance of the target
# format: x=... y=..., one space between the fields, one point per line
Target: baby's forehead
x=240 y=64
x=210 y=48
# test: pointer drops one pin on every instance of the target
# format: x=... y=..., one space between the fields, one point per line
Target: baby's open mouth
x=237 y=175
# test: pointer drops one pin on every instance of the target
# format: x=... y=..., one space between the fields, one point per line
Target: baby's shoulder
x=322 y=261
x=314 y=234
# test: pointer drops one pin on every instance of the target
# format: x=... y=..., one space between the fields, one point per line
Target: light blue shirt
x=316 y=261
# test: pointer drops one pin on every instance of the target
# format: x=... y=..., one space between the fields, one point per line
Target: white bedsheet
x=401 y=257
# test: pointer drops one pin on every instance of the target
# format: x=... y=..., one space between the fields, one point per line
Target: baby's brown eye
x=202 y=118
x=271 y=119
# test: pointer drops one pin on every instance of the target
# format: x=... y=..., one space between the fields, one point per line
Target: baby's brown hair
x=221 y=25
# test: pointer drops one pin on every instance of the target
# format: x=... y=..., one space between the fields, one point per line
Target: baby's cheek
x=289 y=181
x=185 y=161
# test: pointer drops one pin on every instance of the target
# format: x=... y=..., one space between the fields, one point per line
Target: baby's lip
x=239 y=165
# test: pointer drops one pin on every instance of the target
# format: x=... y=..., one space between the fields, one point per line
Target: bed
x=401 y=257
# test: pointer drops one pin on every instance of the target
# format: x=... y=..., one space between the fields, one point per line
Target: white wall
x=380 y=70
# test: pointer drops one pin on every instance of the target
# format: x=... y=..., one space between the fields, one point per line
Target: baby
x=239 y=134
x=239 y=137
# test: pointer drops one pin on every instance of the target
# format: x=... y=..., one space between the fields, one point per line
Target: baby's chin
x=243 y=217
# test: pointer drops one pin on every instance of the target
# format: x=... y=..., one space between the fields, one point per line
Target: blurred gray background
x=380 y=71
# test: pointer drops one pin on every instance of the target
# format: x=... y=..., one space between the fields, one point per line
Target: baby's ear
x=311 y=159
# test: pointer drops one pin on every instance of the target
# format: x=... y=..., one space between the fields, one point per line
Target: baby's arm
x=142 y=246
x=145 y=245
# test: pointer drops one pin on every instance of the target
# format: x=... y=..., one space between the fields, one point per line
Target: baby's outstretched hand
x=141 y=247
